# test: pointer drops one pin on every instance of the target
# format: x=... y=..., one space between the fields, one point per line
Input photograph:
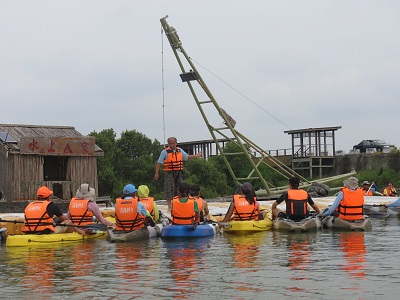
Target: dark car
x=379 y=145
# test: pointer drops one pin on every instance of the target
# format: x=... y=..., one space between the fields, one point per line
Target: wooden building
x=56 y=156
x=313 y=151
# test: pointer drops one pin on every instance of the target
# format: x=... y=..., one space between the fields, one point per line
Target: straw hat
x=351 y=183
x=86 y=192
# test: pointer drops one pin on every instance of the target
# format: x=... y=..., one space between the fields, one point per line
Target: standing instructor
x=172 y=158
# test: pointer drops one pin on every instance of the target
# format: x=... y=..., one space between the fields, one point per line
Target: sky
x=273 y=65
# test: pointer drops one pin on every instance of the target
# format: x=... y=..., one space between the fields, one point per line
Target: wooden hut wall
x=28 y=176
x=82 y=169
x=6 y=173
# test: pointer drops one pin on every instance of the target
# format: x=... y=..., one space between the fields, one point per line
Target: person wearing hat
x=202 y=204
x=39 y=216
x=365 y=188
x=172 y=158
x=130 y=213
x=296 y=200
x=151 y=206
x=348 y=204
x=83 y=207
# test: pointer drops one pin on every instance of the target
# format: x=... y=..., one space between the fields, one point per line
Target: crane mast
x=253 y=154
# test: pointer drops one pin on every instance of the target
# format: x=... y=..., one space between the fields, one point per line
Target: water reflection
x=36 y=268
x=246 y=258
x=185 y=261
x=353 y=248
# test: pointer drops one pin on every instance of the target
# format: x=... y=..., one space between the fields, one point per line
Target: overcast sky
x=279 y=65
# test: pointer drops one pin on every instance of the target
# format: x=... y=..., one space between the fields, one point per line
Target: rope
x=241 y=94
x=162 y=83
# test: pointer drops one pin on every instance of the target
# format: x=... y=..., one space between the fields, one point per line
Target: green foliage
x=206 y=174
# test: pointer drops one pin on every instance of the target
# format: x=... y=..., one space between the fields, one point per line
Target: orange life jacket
x=391 y=192
x=296 y=204
x=243 y=209
x=127 y=217
x=35 y=215
x=367 y=194
x=199 y=202
x=174 y=160
x=182 y=213
x=351 y=206
x=148 y=202
x=79 y=212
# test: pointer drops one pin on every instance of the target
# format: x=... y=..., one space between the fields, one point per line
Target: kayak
x=335 y=223
x=251 y=225
x=22 y=240
x=308 y=224
x=379 y=210
x=115 y=236
x=178 y=231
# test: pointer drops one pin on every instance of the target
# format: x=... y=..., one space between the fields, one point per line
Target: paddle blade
x=380 y=171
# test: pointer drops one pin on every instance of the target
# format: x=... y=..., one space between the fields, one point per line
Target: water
x=266 y=265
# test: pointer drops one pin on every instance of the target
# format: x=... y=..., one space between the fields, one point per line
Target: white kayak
x=379 y=210
x=335 y=223
x=115 y=236
x=311 y=223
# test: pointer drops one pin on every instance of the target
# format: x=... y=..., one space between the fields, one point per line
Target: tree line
x=132 y=157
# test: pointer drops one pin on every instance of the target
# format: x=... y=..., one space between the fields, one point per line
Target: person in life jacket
x=39 y=216
x=244 y=205
x=83 y=207
x=184 y=211
x=389 y=190
x=365 y=188
x=151 y=206
x=296 y=200
x=130 y=213
x=172 y=157
x=201 y=203
x=348 y=204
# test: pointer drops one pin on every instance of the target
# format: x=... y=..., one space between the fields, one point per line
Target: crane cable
x=244 y=96
x=162 y=83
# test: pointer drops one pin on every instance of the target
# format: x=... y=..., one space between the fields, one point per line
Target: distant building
x=56 y=156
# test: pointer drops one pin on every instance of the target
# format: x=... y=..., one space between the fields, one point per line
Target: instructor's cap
x=366 y=182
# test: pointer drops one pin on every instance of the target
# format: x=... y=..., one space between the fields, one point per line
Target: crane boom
x=252 y=153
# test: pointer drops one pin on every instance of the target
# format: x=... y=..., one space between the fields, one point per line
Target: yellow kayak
x=23 y=240
x=252 y=225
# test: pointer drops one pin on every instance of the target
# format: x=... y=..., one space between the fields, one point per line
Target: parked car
x=379 y=145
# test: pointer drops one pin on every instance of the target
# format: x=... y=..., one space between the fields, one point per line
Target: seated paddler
x=130 y=213
x=348 y=204
x=184 y=211
x=296 y=201
x=244 y=206
x=44 y=217
x=148 y=201
x=83 y=207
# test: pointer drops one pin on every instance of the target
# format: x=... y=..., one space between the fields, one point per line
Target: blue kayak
x=177 y=231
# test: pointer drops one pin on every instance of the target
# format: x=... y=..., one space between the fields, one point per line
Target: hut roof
x=14 y=132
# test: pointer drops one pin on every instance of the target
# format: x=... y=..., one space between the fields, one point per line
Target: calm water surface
x=266 y=265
